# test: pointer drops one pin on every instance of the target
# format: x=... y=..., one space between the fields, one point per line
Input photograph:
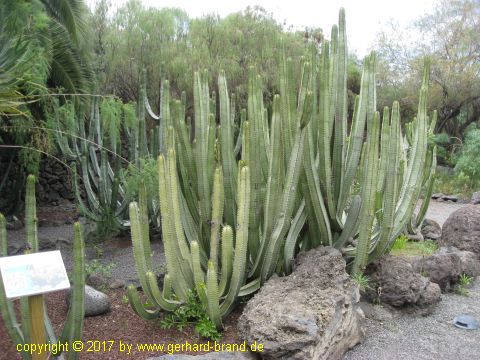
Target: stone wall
x=54 y=186
x=54 y=183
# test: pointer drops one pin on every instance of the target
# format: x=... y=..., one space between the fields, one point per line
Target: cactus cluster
x=72 y=330
x=236 y=210
x=96 y=151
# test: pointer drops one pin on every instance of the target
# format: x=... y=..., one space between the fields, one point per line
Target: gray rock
x=220 y=355
x=445 y=266
x=97 y=281
x=418 y=237
x=452 y=198
x=462 y=229
x=376 y=312
x=116 y=284
x=53 y=196
x=436 y=196
x=47 y=243
x=96 y=302
x=14 y=223
x=16 y=247
x=429 y=297
x=313 y=313
x=431 y=230
x=395 y=282
x=475 y=198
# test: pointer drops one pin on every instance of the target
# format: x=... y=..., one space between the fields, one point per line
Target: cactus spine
x=20 y=334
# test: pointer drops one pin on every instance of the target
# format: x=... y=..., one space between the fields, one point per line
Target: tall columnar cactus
x=184 y=259
x=72 y=330
x=97 y=151
x=364 y=225
x=295 y=187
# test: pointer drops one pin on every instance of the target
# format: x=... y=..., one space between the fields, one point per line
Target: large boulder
x=313 y=313
x=431 y=230
x=445 y=266
x=462 y=229
x=96 y=302
x=394 y=281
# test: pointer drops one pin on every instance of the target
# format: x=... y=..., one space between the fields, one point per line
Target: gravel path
x=424 y=338
x=439 y=211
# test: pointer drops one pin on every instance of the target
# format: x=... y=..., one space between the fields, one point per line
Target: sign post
x=31 y=276
x=37 y=331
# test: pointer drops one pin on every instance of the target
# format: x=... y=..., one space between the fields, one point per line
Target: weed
x=97 y=267
x=192 y=313
x=410 y=248
x=464 y=281
x=125 y=300
x=362 y=281
x=400 y=242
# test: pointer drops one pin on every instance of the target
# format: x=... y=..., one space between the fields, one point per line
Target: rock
x=418 y=237
x=395 y=282
x=96 y=302
x=46 y=243
x=220 y=355
x=376 y=312
x=431 y=230
x=16 y=247
x=97 y=281
x=475 y=198
x=445 y=266
x=14 y=223
x=437 y=196
x=319 y=319
x=53 y=196
x=452 y=198
x=430 y=296
x=116 y=284
x=462 y=229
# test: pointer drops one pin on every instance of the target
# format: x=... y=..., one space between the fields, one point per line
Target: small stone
x=431 y=229
x=47 y=243
x=116 y=284
x=475 y=198
x=437 y=196
x=96 y=302
x=97 y=281
x=14 y=224
x=452 y=198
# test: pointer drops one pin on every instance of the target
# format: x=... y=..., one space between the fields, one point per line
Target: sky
x=364 y=17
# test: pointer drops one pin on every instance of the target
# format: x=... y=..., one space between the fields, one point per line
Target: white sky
x=364 y=17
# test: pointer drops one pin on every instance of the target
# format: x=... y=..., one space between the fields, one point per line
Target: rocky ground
x=389 y=335
x=394 y=337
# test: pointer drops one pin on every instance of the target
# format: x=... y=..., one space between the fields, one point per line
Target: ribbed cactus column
x=72 y=330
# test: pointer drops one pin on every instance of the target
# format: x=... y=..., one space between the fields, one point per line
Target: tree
x=43 y=48
x=450 y=37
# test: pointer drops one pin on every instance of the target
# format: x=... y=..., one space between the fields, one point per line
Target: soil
x=120 y=324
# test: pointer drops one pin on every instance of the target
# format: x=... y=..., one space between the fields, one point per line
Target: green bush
x=455 y=183
x=469 y=159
